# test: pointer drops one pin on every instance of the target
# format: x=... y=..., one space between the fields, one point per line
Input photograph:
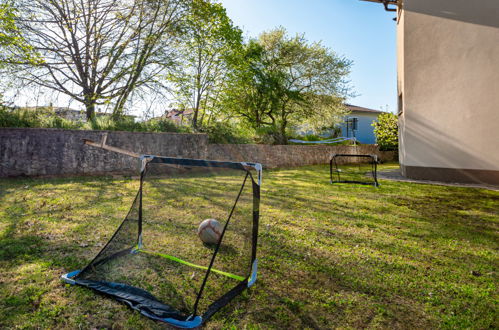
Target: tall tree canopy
x=208 y=39
x=279 y=80
x=99 y=51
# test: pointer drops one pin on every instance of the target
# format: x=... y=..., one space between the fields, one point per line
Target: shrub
x=386 y=131
x=46 y=118
x=225 y=133
x=12 y=118
x=51 y=120
x=267 y=135
x=310 y=137
x=43 y=118
x=107 y=123
x=129 y=124
x=165 y=125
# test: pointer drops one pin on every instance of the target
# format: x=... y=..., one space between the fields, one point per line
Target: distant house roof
x=176 y=113
x=356 y=108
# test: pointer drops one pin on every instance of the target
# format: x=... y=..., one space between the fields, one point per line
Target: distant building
x=72 y=114
x=358 y=124
x=179 y=117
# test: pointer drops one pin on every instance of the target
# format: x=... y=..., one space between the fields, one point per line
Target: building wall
x=365 y=131
x=449 y=81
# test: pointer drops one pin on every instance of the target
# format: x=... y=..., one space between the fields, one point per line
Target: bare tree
x=99 y=51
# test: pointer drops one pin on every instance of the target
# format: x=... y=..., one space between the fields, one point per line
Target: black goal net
x=157 y=264
x=354 y=168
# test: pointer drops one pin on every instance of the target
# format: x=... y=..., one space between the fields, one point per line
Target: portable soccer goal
x=354 y=168
x=155 y=262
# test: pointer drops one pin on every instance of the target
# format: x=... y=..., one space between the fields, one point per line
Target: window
x=352 y=126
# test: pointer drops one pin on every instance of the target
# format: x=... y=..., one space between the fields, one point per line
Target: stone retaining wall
x=272 y=156
x=48 y=152
x=35 y=152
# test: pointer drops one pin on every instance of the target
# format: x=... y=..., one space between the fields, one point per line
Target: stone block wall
x=58 y=152
x=272 y=156
x=39 y=152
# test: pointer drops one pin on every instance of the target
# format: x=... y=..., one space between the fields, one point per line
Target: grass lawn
x=351 y=256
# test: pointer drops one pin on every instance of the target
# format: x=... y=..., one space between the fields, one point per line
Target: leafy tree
x=13 y=46
x=250 y=88
x=286 y=80
x=99 y=52
x=386 y=131
x=208 y=39
x=323 y=113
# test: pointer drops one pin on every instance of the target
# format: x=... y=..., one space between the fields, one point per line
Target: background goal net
x=353 y=168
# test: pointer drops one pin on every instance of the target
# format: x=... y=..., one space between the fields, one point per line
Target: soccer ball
x=209 y=231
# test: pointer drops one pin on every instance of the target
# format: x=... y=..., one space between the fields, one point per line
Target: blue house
x=358 y=124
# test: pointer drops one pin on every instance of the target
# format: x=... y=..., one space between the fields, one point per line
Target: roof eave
x=387 y=4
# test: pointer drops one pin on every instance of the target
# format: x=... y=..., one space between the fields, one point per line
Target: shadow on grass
x=333 y=256
x=27 y=238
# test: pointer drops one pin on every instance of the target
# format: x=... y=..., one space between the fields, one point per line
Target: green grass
x=348 y=256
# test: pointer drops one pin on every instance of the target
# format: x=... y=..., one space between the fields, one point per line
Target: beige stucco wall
x=448 y=60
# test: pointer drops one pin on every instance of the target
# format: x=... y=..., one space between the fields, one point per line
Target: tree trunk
x=195 y=119
x=197 y=101
x=89 y=107
x=281 y=139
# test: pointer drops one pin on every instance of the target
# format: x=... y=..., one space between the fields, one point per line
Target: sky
x=360 y=31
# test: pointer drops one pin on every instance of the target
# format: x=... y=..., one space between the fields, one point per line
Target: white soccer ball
x=209 y=231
